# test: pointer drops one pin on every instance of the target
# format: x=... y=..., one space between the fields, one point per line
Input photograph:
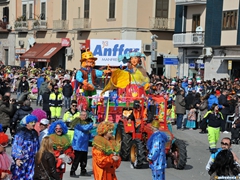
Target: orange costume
x=102 y=152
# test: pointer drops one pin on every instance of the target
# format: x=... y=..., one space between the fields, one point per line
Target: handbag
x=46 y=172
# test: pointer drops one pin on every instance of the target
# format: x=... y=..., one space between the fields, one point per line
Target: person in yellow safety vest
x=71 y=113
x=55 y=103
x=69 y=116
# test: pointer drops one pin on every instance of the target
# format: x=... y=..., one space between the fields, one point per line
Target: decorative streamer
x=107 y=110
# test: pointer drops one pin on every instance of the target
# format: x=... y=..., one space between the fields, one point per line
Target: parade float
x=132 y=110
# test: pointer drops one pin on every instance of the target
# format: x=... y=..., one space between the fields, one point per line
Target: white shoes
x=225 y=132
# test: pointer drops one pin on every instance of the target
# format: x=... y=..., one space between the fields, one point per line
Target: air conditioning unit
x=207 y=51
x=197 y=39
x=68 y=51
x=147 y=48
x=9 y=27
x=21 y=43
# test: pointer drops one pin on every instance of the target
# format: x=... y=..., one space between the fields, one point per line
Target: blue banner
x=170 y=61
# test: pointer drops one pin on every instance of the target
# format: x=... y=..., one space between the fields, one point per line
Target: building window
x=64 y=9
x=111 y=9
x=195 y=22
x=229 y=20
x=30 y=11
x=24 y=12
x=79 y=12
x=86 y=9
x=161 y=9
x=43 y=11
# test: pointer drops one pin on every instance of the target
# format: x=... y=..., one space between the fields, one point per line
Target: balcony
x=81 y=24
x=60 y=25
x=40 y=25
x=190 y=2
x=162 y=23
x=21 y=25
x=188 y=39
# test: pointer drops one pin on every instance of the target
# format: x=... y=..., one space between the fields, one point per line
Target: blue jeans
x=179 y=121
x=67 y=101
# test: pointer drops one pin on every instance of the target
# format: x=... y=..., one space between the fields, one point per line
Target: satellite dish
x=31 y=41
x=199 y=29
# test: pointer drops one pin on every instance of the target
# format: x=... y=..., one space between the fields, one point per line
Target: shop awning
x=41 y=52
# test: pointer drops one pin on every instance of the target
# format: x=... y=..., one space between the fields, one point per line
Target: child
x=191 y=122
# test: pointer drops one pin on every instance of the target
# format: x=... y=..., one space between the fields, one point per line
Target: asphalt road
x=197 y=151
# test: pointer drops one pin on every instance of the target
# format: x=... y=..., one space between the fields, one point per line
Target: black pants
x=80 y=157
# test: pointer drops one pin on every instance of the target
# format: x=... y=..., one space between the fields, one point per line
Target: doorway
x=6 y=56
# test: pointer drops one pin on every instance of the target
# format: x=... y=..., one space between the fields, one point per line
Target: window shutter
x=64 y=9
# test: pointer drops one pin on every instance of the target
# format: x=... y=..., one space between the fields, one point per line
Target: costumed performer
x=134 y=78
x=62 y=146
x=105 y=153
x=87 y=76
x=24 y=148
x=5 y=159
x=156 y=155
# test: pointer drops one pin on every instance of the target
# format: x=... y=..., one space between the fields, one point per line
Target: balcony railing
x=188 y=39
x=192 y=2
x=162 y=23
x=40 y=24
x=60 y=25
x=21 y=25
x=81 y=23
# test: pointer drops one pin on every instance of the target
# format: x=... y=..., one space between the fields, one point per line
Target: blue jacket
x=156 y=148
x=213 y=100
x=40 y=80
x=81 y=137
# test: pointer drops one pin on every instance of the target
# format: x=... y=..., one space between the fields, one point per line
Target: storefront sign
x=20 y=50
x=107 y=51
x=65 y=42
x=170 y=61
x=229 y=65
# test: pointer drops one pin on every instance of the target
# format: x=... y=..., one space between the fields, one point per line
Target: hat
x=3 y=139
x=125 y=58
x=198 y=78
x=104 y=127
x=27 y=119
x=44 y=121
x=218 y=92
x=238 y=94
x=155 y=123
x=87 y=55
x=173 y=82
x=159 y=82
x=39 y=113
x=189 y=81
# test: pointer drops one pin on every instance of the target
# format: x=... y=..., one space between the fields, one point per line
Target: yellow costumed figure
x=134 y=78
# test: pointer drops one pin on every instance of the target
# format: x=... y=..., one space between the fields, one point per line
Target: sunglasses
x=4 y=144
x=43 y=124
x=74 y=105
x=57 y=129
x=225 y=144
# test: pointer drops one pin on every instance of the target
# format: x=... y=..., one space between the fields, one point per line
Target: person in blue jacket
x=156 y=155
x=213 y=100
x=80 y=143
